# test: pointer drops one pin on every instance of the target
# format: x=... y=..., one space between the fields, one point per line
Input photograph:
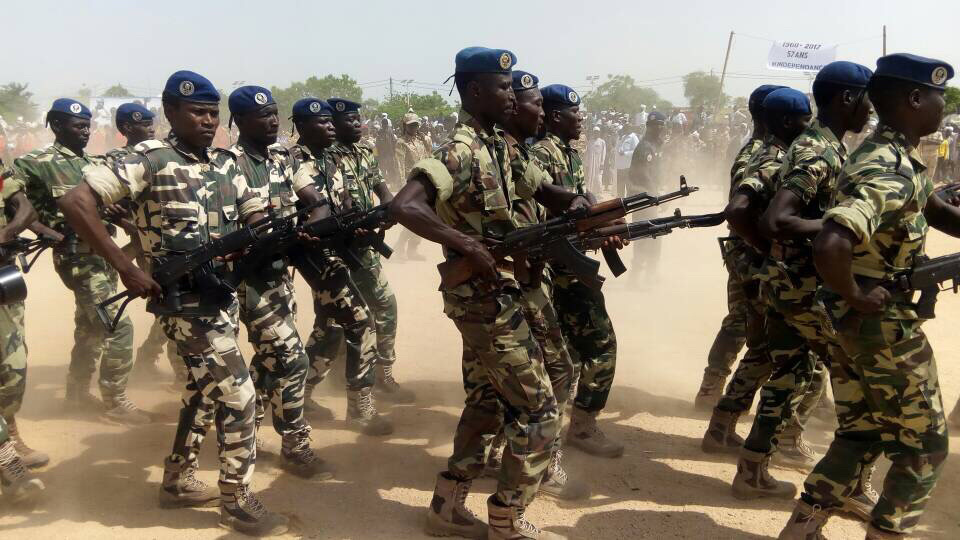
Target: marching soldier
x=411 y=148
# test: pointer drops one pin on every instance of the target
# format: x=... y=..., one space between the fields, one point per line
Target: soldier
x=48 y=173
x=339 y=299
x=187 y=193
x=801 y=190
x=646 y=175
x=583 y=315
x=464 y=192
x=884 y=374
x=363 y=179
x=743 y=319
x=411 y=148
x=266 y=296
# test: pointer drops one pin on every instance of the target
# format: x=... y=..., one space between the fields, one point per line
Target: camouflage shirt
x=10 y=185
x=360 y=170
x=561 y=161
x=740 y=162
x=47 y=174
x=271 y=176
x=321 y=172
x=528 y=173
x=759 y=176
x=409 y=151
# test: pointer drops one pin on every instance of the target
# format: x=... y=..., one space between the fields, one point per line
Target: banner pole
x=723 y=74
x=884 y=40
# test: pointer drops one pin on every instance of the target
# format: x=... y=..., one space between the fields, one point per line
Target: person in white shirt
x=625 y=146
x=596 y=155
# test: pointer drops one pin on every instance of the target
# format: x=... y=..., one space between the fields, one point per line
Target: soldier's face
x=260 y=126
x=349 y=127
x=496 y=95
x=411 y=129
x=930 y=104
x=569 y=122
x=195 y=123
x=137 y=132
x=793 y=126
x=528 y=117
x=73 y=132
x=862 y=115
x=317 y=131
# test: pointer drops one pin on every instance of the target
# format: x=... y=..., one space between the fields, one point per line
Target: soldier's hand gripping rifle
x=339 y=232
x=652 y=228
x=22 y=248
x=926 y=276
x=551 y=239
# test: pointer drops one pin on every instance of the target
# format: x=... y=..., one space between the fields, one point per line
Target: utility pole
x=884 y=40
x=723 y=74
x=391 y=87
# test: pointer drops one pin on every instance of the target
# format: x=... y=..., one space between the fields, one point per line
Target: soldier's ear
x=915 y=98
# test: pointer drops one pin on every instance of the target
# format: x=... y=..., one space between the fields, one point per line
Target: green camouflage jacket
x=360 y=170
x=528 y=174
x=881 y=193
x=48 y=173
x=271 y=176
x=409 y=151
x=561 y=161
x=759 y=175
x=740 y=162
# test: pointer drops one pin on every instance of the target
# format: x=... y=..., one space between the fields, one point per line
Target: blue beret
x=484 y=60
x=249 y=98
x=656 y=116
x=524 y=81
x=311 y=106
x=191 y=86
x=787 y=100
x=343 y=106
x=71 y=107
x=560 y=95
x=761 y=92
x=910 y=67
x=845 y=74
x=133 y=112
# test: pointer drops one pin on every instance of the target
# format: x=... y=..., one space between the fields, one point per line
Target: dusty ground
x=102 y=481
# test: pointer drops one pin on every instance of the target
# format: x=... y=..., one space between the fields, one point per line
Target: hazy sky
x=57 y=46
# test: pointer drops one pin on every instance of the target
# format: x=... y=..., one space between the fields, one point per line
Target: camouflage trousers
x=755 y=367
x=590 y=338
x=507 y=386
x=154 y=345
x=92 y=281
x=337 y=299
x=544 y=324
x=279 y=365
x=219 y=391
x=4 y=432
x=13 y=360
x=884 y=379
x=720 y=361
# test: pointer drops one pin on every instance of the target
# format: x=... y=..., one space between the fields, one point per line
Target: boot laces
x=525 y=526
x=557 y=473
x=387 y=379
x=191 y=482
x=302 y=451
x=249 y=502
x=460 y=493
x=365 y=404
x=810 y=518
x=121 y=401
x=802 y=446
x=867 y=483
x=10 y=463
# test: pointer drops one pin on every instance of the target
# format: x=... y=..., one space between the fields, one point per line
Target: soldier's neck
x=316 y=149
x=909 y=132
x=78 y=150
x=834 y=124
x=564 y=140
x=257 y=148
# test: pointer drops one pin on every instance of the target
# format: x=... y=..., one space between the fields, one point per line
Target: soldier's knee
x=537 y=434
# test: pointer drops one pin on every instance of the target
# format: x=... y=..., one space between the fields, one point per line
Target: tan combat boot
x=79 y=398
x=860 y=503
x=297 y=458
x=711 y=389
x=362 y=413
x=312 y=409
x=805 y=523
x=585 y=435
x=448 y=514
x=721 y=436
x=16 y=484
x=241 y=511
x=874 y=533
x=508 y=523
x=390 y=389
x=794 y=452
x=181 y=489
x=31 y=458
x=121 y=410
x=557 y=484
x=753 y=480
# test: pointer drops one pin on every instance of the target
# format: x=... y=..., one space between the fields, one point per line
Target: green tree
x=703 y=90
x=117 y=91
x=621 y=93
x=953 y=100
x=329 y=86
x=16 y=100
x=83 y=95
x=433 y=105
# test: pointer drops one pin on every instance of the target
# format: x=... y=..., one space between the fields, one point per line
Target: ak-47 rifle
x=552 y=239
x=948 y=191
x=648 y=229
x=21 y=248
x=340 y=232
x=926 y=276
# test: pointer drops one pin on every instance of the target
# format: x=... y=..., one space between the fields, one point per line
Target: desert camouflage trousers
x=279 y=365
x=590 y=338
x=884 y=379
x=507 y=386
x=733 y=327
x=338 y=300
x=154 y=345
x=13 y=360
x=92 y=281
x=219 y=391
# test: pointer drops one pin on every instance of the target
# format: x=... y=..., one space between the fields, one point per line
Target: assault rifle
x=21 y=248
x=926 y=276
x=339 y=232
x=551 y=240
x=948 y=191
x=652 y=228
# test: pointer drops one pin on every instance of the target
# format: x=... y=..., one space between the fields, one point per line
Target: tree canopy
x=703 y=90
x=117 y=91
x=621 y=93
x=16 y=100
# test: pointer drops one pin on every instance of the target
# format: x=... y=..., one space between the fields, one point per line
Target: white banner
x=796 y=56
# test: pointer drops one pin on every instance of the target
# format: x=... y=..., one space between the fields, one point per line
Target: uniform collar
x=773 y=140
x=466 y=119
x=900 y=141
x=828 y=134
x=557 y=141
x=239 y=148
x=66 y=151
x=175 y=143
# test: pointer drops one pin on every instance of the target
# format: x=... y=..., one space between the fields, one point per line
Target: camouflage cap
x=411 y=118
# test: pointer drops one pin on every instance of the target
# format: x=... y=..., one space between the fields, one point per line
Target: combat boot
x=874 y=533
x=297 y=458
x=954 y=419
x=79 y=398
x=805 y=523
x=16 y=484
x=721 y=436
x=860 y=503
x=794 y=452
x=314 y=410
x=585 y=435
x=121 y=410
x=448 y=514
x=557 y=484
x=508 y=523
x=145 y=365
x=753 y=480
x=180 y=488
x=711 y=389
x=390 y=389
x=362 y=413
x=31 y=458
x=826 y=409
x=241 y=511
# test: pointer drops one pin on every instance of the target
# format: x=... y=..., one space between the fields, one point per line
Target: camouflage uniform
x=339 y=301
x=182 y=201
x=502 y=364
x=884 y=375
x=48 y=174
x=267 y=304
x=583 y=314
x=361 y=174
x=13 y=356
x=409 y=151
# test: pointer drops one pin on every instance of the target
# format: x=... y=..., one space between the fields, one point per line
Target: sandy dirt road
x=102 y=480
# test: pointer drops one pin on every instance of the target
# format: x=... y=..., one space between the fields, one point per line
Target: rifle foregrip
x=614 y=262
